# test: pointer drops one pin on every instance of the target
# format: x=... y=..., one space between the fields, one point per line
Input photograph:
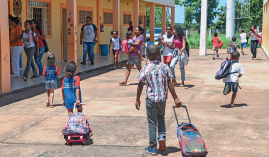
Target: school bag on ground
x=189 y=138
x=77 y=128
x=224 y=69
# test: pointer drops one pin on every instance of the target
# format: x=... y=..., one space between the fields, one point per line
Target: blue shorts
x=244 y=45
x=233 y=86
x=51 y=84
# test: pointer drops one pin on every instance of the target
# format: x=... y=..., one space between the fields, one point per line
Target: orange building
x=265 y=27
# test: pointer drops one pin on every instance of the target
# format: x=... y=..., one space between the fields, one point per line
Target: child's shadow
x=186 y=86
x=236 y=105
x=169 y=150
x=58 y=105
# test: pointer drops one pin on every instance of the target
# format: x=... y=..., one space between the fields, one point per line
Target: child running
x=216 y=41
x=232 y=47
x=129 y=38
x=71 y=92
x=50 y=73
x=158 y=77
x=243 y=38
x=232 y=80
x=116 y=48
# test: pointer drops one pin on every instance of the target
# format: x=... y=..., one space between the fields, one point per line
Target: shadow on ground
x=236 y=105
x=169 y=150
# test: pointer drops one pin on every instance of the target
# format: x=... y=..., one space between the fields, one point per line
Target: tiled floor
x=17 y=84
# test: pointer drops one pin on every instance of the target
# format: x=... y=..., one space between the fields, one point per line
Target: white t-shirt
x=116 y=43
x=88 y=32
x=253 y=36
x=235 y=67
x=166 y=50
x=27 y=39
x=243 y=37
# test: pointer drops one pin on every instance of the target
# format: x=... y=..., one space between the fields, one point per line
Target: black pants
x=254 y=44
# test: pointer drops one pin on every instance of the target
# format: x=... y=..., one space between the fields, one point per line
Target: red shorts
x=116 y=52
x=167 y=59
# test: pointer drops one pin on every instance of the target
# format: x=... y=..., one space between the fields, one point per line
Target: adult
x=17 y=47
x=254 y=40
x=88 y=36
x=30 y=43
x=179 y=54
x=134 y=58
x=41 y=36
x=167 y=42
x=130 y=28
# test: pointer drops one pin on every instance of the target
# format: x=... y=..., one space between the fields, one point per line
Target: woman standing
x=16 y=47
x=254 y=40
x=168 y=45
x=133 y=56
x=30 y=42
x=41 y=36
x=179 y=54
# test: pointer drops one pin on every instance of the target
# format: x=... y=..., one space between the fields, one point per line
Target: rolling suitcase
x=190 y=140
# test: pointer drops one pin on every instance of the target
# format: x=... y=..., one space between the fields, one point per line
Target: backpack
x=125 y=46
x=187 y=48
x=224 y=69
x=231 y=47
x=44 y=42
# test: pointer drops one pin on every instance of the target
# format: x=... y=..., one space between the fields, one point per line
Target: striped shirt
x=157 y=75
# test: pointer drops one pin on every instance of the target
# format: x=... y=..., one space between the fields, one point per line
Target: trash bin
x=104 y=49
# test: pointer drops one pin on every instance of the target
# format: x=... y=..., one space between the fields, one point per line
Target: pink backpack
x=125 y=46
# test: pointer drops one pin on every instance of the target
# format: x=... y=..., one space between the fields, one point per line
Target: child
x=243 y=38
x=116 y=48
x=232 y=47
x=216 y=42
x=129 y=38
x=145 y=46
x=71 y=88
x=50 y=73
x=158 y=77
x=232 y=80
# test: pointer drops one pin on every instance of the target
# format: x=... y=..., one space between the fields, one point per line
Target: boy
x=158 y=76
x=232 y=80
x=145 y=46
x=215 y=48
x=243 y=38
x=232 y=47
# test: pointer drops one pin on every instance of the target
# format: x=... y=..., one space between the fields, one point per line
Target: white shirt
x=235 y=67
x=253 y=36
x=116 y=43
x=166 y=50
x=88 y=32
x=243 y=37
x=28 y=39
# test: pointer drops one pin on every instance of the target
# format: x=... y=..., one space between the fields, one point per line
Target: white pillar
x=258 y=28
x=209 y=33
x=230 y=18
x=186 y=34
x=203 y=27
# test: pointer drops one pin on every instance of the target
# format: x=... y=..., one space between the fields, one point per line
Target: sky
x=179 y=11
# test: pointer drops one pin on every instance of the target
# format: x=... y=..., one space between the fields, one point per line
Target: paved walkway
x=28 y=128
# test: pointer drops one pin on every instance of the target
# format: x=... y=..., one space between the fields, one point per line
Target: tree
x=221 y=17
x=256 y=12
x=188 y=13
x=158 y=17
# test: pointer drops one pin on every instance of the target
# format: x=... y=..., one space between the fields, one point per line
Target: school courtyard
x=28 y=128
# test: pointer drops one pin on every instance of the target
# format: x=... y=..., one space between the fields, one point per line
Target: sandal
x=47 y=104
x=51 y=106
x=123 y=83
x=233 y=105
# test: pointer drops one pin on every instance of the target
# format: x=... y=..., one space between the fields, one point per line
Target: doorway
x=64 y=37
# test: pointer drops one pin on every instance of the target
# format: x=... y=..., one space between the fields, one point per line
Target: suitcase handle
x=80 y=104
x=184 y=106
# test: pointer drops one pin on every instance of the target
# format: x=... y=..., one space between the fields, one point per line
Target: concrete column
x=71 y=6
x=203 y=27
x=98 y=25
x=135 y=13
x=163 y=19
x=116 y=15
x=4 y=49
x=258 y=28
x=152 y=21
x=230 y=18
x=173 y=16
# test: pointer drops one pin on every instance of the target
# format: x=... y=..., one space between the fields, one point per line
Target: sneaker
x=151 y=150
x=213 y=58
x=217 y=55
x=14 y=76
x=83 y=63
x=92 y=63
x=162 y=146
x=226 y=90
x=25 y=79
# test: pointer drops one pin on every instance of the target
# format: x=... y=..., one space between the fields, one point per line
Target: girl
x=30 y=42
x=41 y=36
x=216 y=42
x=71 y=88
x=254 y=40
x=129 y=37
x=51 y=72
x=116 y=48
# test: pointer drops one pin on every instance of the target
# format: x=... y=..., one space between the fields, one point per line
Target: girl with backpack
x=41 y=36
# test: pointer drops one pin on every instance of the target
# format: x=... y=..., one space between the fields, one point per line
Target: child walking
x=71 y=92
x=158 y=78
x=243 y=38
x=50 y=73
x=116 y=48
x=216 y=41
x=129 y=38
x=232 y=80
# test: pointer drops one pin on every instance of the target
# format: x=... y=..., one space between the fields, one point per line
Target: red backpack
x=125 y=46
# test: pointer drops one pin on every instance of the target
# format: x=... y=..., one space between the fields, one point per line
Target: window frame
x=127 y=13
x=82 y=8
x=46 y=1
x=143 y=18
x=107 y=11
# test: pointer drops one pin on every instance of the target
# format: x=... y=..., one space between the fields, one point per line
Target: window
x=127 y=19
x=41 y=12
x=108 y=18
x=140 y=18
x=82 y=16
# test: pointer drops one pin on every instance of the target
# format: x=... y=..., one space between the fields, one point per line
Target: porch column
x=116 y=16
x=4 y=49
x=71 y=6
x=173 y=16
x=135 y=13
x=203 y=27
x=163 y=19
x=152 y=21
x=98 y=26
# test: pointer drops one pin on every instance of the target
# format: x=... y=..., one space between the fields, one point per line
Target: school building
x=265 y=27
x=61 y=21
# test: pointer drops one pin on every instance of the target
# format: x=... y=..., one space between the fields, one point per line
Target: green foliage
x=188 y=13
x=256 y=12
x=221 y=17
x=158 y=17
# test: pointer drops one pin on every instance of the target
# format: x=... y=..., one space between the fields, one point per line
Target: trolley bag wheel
x=67 y=143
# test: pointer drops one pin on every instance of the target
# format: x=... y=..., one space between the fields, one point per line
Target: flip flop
x=47 y=104
x=51 y=106
x=123 y=83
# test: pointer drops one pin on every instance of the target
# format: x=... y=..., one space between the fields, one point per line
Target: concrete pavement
x=28 y=128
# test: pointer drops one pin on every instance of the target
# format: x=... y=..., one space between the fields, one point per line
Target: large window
x=127 y=18
x=82 y=16
x=41 y=12
x=108 y=18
